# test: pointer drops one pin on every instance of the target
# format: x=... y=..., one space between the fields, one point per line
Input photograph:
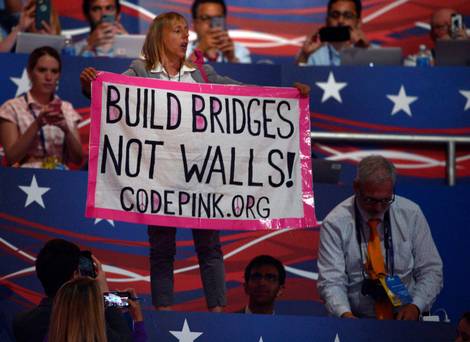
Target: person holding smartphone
x=447 y=23
x=57 y=263
x=213 y=39
x=103 y=16
x=38 y=129
x=343 y=29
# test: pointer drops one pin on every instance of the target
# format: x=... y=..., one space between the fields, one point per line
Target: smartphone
x=85 y=265
x=218 y=22
x=108 y=18
x=116 y=299
x=456 y=22
x=43 y=13
x=335 y=34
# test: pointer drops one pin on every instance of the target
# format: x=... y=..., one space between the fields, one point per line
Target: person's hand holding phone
x=100 y=275
x=135 y=308
x=225 y=44
x=53 y=115
x=26 y=21
x=358 y=37
x=311 y=44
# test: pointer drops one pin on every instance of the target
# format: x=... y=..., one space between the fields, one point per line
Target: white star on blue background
x=22 y=83
x=34 y=193
x=185 y=335
x=401 y=102
x=331 y=88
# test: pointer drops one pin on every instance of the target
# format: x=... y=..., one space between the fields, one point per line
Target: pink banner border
x=309 y=219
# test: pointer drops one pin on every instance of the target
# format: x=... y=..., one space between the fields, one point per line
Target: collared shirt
x=326 y=55
x=184 y=74
x=80 y=50
x=20 y=111
x=241 y=53
x=416 y=259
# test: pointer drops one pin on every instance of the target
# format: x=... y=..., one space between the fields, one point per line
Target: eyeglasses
x=206 y=18
x=346 y=15
x=371 y=200
x=269 y=277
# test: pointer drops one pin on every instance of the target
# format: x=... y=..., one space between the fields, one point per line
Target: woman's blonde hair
x=78 y=312
x=154 y=47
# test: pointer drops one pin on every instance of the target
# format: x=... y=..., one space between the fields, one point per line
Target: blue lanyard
x=388 y=242
x=41 y=131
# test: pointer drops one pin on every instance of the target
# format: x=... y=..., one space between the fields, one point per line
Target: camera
x=456 y=23
x=85 y=265
x=43 y=13
x=373 y=288
x=335 y=34
x=108 y=18
x=218 y=22
x=116 y=299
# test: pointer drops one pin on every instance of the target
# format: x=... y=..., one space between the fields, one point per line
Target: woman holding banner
x=164 y=54
x=38 y=129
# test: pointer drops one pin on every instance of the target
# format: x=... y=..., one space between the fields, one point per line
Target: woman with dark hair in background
x=38 y=129
x=164 y=54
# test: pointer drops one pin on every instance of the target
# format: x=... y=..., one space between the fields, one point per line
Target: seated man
x=441 y=28
x=103 y=17
x=265 y=277
x=370 y=235
x=57 y=263
x=213 y=40
x=340 y=13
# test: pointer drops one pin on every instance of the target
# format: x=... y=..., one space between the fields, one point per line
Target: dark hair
x=197 y=3
x=466 y=317
x=56 y=263
x=86 y=6
x=42 y=51
x=262 y=260
x=357 y=4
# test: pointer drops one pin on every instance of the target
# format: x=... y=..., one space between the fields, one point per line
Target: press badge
x=396 y=290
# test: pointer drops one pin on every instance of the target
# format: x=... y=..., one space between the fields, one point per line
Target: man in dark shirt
x=265 y=277
x=57 y=263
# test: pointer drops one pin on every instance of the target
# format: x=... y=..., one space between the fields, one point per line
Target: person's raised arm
x=86 y=77
x=15 y=144
x=311 y=44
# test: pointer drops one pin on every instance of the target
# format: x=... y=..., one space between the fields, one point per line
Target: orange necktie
x=383 y=309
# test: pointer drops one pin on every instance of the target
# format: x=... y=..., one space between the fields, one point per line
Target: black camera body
x=374 y=289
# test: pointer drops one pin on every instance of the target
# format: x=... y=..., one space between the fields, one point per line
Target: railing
x=451 y=142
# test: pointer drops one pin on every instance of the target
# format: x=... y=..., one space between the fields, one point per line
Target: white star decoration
x=34 y=193
x=186 y=335
x=337 y=338
x=98 y=220
x=22 y=83
x=261 y=339
x=331 y=88
x=402 y=101
x=466 y=94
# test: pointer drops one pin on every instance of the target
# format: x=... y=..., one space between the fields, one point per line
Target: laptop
x=128 y=45
x=372 y=56
x=326 y=171
x=453 y=52
x=26 y=42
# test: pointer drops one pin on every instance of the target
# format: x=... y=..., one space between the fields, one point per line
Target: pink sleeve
x=7 y=112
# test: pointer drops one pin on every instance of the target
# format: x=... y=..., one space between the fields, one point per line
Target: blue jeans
x=162 y=256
